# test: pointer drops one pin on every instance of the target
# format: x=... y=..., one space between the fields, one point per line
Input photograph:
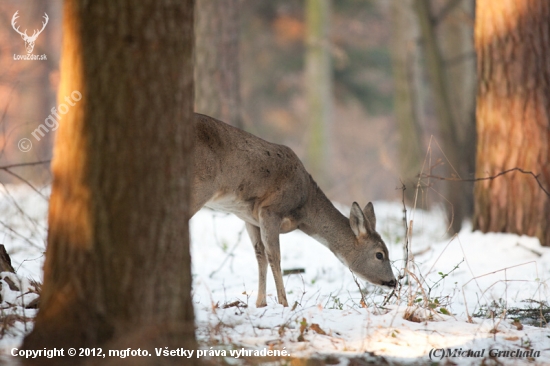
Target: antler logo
x=29 y=40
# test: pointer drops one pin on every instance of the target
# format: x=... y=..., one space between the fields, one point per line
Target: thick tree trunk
x=217 y=86
x=318 y=86
x=117 y=262
x=513 y=116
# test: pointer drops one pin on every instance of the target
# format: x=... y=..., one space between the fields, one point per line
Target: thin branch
x=26 y=182
x=230 y=254
x=7 y=168
x=363 y=301
x=4 y=167
x=23 y=237
x=18 y=207
x=406 y=241
x=536 y=176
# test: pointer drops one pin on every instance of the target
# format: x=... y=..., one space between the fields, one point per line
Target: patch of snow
x=495 y=272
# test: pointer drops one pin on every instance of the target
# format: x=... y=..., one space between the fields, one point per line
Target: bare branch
x=536 y=176
x=26 y=182
x=4 y=167
x=7 y=168
x=363 y=301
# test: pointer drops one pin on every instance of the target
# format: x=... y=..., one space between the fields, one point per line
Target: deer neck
x=326 y=224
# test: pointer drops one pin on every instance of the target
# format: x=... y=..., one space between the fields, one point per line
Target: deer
x=29 y=40
x=267 y=186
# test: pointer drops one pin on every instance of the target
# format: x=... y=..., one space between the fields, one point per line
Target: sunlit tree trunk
x=217 y=78
x=513 y=116
x=318 y=86
x=117 y=269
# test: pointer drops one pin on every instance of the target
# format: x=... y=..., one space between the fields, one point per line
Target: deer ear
x=357 y=220
x=370 y=216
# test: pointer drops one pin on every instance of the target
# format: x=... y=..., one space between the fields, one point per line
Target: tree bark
x=404 y=59
x=454 y=192
x=217 y=77
x=457 y=45
x=117 y=262
x=318 y=86
x=513 y=116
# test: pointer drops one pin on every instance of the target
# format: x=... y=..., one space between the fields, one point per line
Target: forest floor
x=467 y=298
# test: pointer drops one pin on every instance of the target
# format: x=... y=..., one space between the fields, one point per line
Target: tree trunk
x=117 y=267
x=404 y=59
x=513 y=116
x=457 y=46
x=217 y=86
x=318 y=86
x=454 y=191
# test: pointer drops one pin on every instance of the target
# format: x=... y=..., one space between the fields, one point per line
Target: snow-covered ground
x=479 y=277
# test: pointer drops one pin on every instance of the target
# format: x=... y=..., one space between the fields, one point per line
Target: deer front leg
x=269 y=228
x=259 y=249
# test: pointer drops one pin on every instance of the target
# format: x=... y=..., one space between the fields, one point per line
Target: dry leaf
x=317 y=329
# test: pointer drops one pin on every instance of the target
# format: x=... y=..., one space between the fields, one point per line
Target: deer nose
x=391 y=283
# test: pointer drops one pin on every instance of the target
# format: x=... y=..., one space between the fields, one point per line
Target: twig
x=536 y=176
x=4 y=167
x=443 y=275
x=7 y=227
x=25 y=181
x=363 y=301
x=406 y=243
x=538 y=254
x=34 y=222
x=7 y=168
x=393 y=292
x=229 y=255
x=426 y=298
x=490 y=273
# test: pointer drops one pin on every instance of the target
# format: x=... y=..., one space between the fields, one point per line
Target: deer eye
x=379 y=255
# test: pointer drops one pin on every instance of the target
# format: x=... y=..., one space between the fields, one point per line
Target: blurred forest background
x=368 y=93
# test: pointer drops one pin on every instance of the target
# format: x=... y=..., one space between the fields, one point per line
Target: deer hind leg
x=269 y=228
x=256 y=239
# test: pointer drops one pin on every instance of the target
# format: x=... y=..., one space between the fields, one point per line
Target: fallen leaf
x=316 y=328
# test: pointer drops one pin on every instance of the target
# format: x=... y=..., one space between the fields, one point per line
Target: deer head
x=29 y=40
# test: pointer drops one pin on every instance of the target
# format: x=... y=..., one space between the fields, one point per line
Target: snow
x=495 y=272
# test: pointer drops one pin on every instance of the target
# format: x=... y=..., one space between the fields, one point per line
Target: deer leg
x=256 y=239
x=269 y=228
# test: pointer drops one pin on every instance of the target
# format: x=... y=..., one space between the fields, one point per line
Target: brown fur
x=267 y=186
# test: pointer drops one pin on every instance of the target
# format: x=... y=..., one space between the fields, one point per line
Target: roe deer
x=267 y=186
